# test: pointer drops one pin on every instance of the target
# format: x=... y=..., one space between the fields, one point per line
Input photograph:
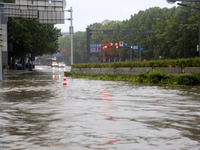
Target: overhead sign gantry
x=102 y=32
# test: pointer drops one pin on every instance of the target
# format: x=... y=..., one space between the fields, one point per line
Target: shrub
x=188 y=79
x=142 y=77
x=130 y=64
x=159 y=63
x=157 y=76
x=172 y=62
x=182 y=62
x=97 y=65
x=196 y=62
x=190 y=62
x=68 y=73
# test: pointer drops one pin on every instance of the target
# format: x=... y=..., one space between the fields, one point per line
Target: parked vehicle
x=19 y=66
x=61 y=64
x=54 y=64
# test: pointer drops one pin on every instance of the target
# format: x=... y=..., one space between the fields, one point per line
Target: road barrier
x=64 y=80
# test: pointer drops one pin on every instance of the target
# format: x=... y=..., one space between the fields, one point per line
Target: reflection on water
x=38 y=112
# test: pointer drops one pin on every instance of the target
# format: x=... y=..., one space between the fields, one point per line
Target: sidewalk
x=15 y=72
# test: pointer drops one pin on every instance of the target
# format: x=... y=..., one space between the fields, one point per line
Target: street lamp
x=71 y=32
x=173 y=1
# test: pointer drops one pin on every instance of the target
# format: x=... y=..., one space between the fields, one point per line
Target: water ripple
x=38 y=112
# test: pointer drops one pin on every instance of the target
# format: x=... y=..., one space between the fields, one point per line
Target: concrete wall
x=172 y=70
x=136 y=70
x=192 y=69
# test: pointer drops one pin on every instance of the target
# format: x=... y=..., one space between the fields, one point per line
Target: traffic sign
x=125 y=44
x=116 y=44
x=111 y=44
x=95 y=50
x=57 y=54
x=134 y=47
x=121 y=43
x=95 y=45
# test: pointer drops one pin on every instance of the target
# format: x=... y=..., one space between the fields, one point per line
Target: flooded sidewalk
x=16 y=72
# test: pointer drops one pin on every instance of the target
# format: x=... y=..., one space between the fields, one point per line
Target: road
x=38 y=112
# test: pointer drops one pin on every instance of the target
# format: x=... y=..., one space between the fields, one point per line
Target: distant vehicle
x=49 y=61
x=54 y=64
x=19 y=66
x=61 y=64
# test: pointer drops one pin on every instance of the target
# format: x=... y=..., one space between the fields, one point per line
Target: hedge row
x=189 y=62
x=156 y=77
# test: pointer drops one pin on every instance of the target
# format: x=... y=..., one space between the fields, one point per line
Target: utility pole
x=185 y=46
x=130 y=49
x=71 y=30
x=140 y=53
x=88 y=44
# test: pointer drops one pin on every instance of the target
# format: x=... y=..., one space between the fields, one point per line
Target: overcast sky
x=86 y=12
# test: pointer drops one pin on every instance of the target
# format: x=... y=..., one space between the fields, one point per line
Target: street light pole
x=71 y=32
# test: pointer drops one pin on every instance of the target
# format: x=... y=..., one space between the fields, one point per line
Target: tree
x=29 y=37
x=79 y=47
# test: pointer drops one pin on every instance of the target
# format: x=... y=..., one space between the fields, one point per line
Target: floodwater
x=38 y=113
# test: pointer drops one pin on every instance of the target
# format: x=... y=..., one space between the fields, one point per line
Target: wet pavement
x=38 y=112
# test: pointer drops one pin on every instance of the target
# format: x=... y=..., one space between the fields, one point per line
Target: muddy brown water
x=38 y=112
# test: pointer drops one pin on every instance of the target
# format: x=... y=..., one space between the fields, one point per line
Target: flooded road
x=38 y=113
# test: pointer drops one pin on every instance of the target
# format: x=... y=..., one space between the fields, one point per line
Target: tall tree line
x=175 y=35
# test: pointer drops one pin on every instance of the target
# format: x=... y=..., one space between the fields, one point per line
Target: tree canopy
x=175 y=30
x=27 y=36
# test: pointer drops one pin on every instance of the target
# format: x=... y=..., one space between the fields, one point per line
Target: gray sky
x=86 y=12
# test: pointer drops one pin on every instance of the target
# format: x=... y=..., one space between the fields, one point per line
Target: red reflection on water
x=112 y=142
x=106 y=101
x=106 y=94
x=103 y=107
x=109 y=108
x=110 y=118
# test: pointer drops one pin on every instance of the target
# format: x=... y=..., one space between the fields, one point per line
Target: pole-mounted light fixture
x=171 y=1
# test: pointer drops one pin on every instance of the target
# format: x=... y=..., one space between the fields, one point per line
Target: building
x=105 y=22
